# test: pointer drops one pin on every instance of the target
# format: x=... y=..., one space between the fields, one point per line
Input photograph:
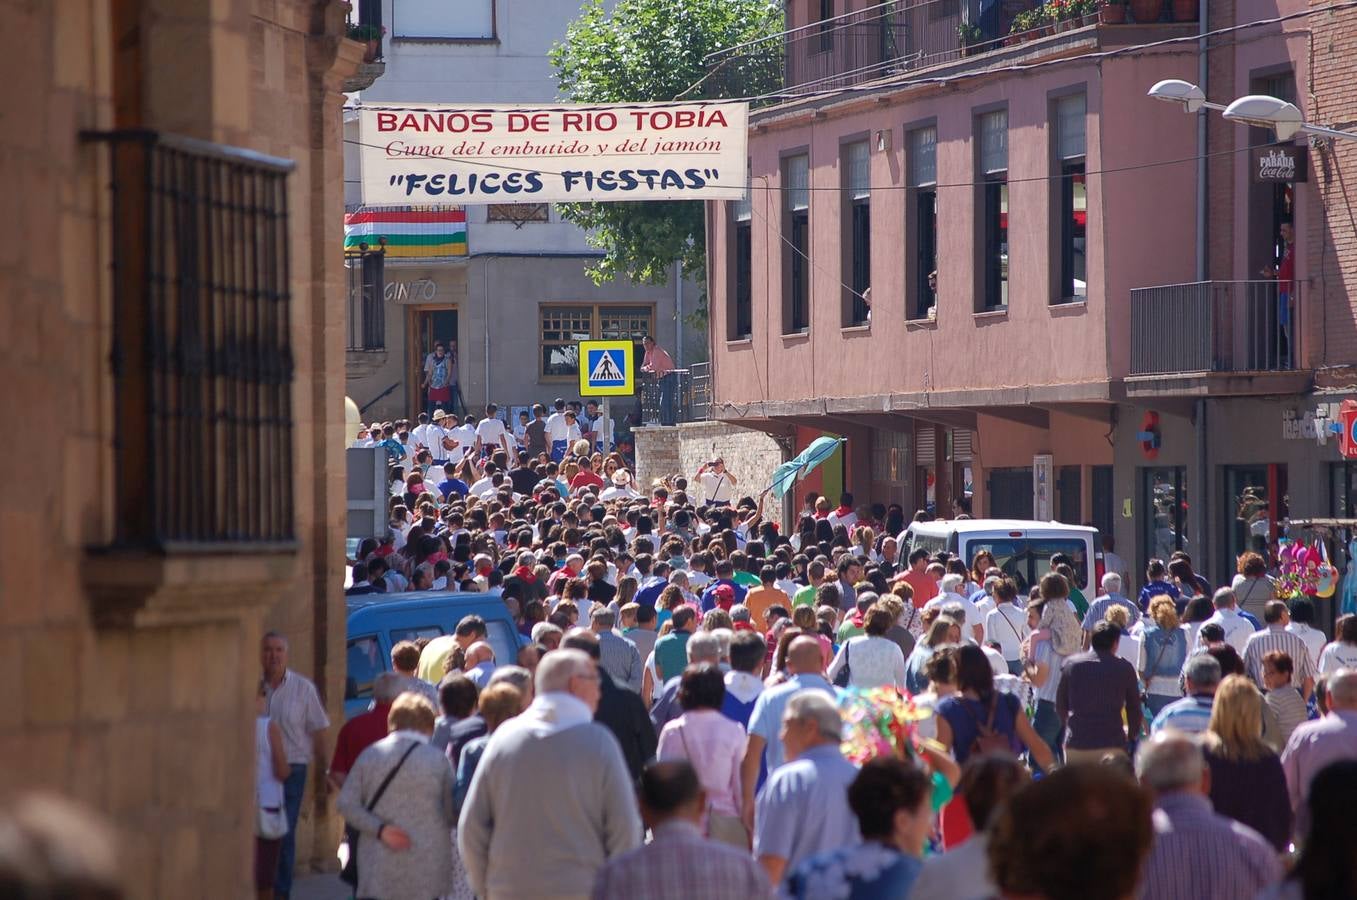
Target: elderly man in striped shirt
x=1197 y=853
x=1192 y=714
x=1275 y=637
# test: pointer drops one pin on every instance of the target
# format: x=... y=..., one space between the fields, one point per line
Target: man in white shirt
x=599 y=428
x=491 y=434
x=718 y=485
x=464 y=435
x=1302 y=625
x=429 y=436
x=557 y=431
x=844 y=515
x=1237 y=628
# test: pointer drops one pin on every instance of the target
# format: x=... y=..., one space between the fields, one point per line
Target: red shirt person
x=365 y=729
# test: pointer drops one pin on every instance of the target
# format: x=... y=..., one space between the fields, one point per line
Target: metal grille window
x=564 y=326
x=921 y=236
x=858 y=219
x=1072 y=214
x=518 y=214
x=796 y=249
x=201 y=346
x=993 y=135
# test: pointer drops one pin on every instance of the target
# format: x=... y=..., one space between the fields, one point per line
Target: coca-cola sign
x=1284 y=163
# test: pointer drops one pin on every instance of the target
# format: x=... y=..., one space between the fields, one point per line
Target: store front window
x=1163 y=511
x=1255 y=499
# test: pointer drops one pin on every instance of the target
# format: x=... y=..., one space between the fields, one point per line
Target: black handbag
x=845 y=675
x=349 y=874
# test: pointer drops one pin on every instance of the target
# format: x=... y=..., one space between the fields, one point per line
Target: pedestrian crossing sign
x=607 y=368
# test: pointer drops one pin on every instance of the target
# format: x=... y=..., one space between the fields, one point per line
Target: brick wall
x=1331 y=243
x=751 y=456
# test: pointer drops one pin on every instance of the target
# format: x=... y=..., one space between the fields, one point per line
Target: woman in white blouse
x=873 y=660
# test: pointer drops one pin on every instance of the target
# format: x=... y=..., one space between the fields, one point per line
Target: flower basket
x=1185 y=10
x=1113 y=14
x=373 y=50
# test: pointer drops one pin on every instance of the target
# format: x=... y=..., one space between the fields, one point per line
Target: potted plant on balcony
x=1185 y=10
x=371 y=35
x=1113 y=12
x=969 y=36
x=1032 y=23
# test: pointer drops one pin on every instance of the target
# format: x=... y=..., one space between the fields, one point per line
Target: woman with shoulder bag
x=271 y=769
x=398 y=803
x=978 y=719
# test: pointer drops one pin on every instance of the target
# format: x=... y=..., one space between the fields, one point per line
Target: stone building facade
x=132 y=665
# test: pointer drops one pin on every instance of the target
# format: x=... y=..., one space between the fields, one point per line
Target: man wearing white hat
x=621 y=488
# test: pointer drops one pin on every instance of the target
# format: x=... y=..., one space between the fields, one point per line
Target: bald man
x=805 y=667
x=480 y=663
x=1313 y=745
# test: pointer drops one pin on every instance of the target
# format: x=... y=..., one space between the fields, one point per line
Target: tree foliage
x=653 y=50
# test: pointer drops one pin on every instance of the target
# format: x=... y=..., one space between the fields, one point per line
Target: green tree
x=650 y=50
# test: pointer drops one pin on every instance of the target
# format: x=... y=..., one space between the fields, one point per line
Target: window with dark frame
x=993 y=136
x=857 y=219
x=796 y=249
x=741 y=319
x=921 y=235
x=1072 y=210
x=564 y=325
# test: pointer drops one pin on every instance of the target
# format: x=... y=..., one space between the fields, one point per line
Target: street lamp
x=1173 y=90
x=1279 y=115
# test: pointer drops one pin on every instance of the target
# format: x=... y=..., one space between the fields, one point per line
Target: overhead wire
x=891 y=83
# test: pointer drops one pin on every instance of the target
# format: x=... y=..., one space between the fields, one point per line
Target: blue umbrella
x=802 y=464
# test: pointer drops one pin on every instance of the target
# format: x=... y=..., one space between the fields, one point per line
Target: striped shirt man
x=1191 y=715
x=1276 y=637
x=1199 y=855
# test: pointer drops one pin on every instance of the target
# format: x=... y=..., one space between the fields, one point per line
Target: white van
x=1023 y=549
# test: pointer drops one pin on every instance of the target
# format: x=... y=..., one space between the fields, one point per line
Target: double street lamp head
x=1256 y=109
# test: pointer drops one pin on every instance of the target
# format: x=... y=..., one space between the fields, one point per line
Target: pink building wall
x=1140 y=232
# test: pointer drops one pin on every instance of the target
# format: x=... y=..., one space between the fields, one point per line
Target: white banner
x=441 y=153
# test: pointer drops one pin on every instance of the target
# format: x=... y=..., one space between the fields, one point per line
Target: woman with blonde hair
x=866 y=543
x=1247 y=780
x=1163 y=650
x=804 y=617
x=938 y=636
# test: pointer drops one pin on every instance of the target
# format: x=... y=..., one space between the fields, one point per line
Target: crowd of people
x=673 y=724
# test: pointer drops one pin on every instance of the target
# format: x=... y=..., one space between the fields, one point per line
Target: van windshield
x=1025 y=560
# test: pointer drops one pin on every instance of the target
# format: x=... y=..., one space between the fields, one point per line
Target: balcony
x=1217 y=336
x=363 y=23
x=691 y=402
x=889 y=38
